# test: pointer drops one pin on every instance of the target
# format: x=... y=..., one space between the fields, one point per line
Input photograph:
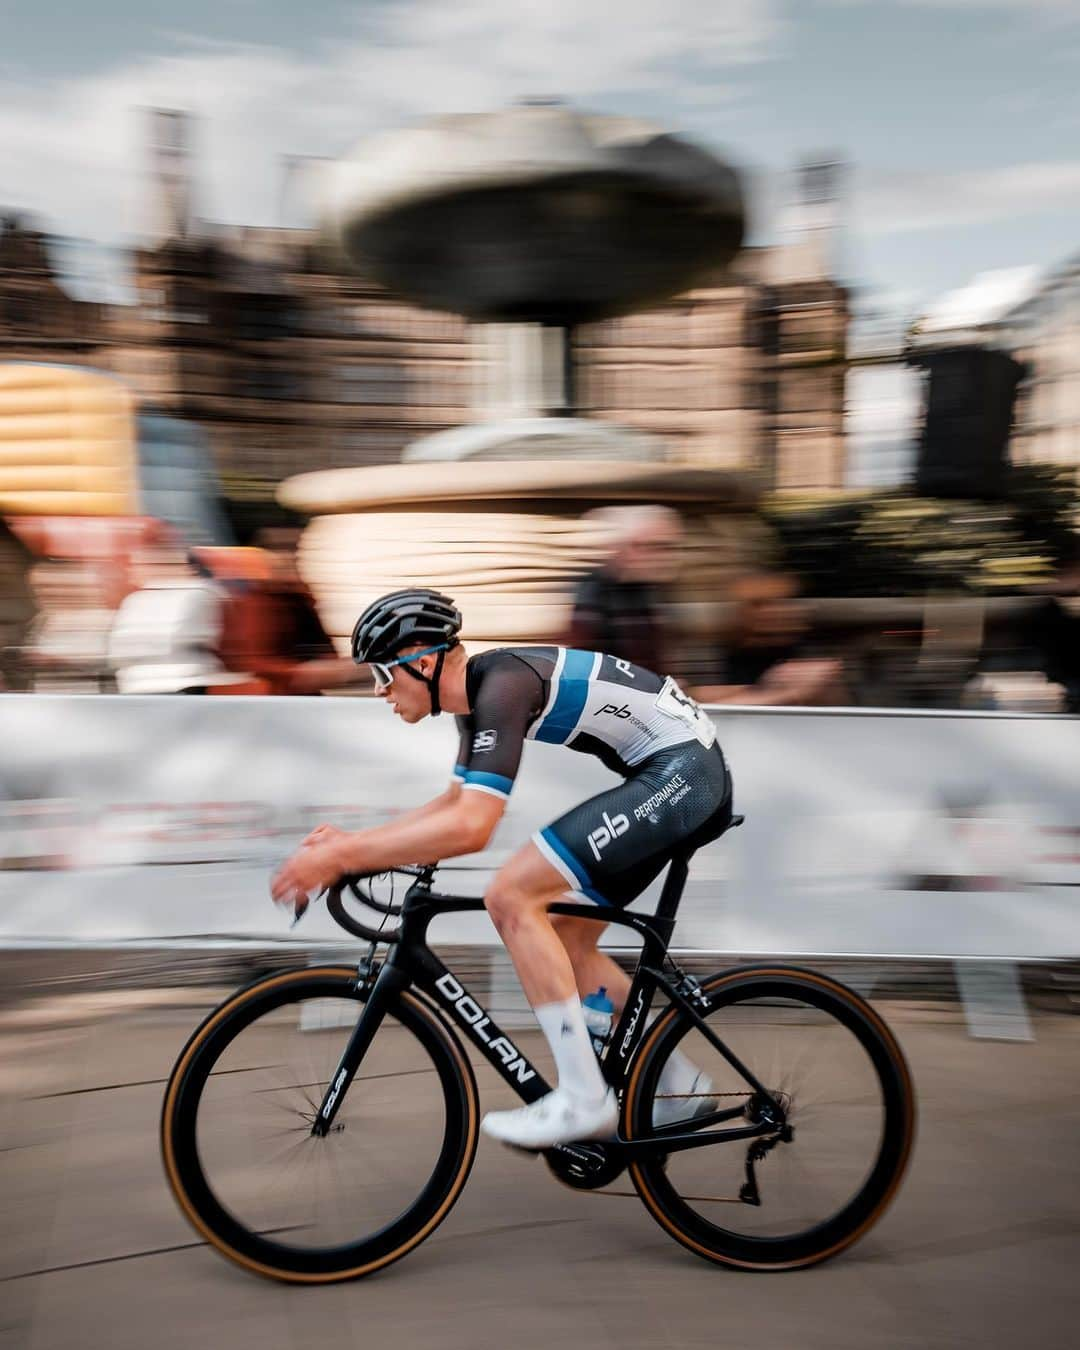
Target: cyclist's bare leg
x=593 y=969
x=517 y=902
x=583 y=1106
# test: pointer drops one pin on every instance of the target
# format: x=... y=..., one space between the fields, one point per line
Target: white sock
x=564 y=1026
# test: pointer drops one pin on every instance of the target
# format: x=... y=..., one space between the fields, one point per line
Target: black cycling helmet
x=406 y=618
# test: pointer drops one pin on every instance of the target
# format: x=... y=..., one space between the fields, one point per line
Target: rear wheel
x=844 y=1090
x=236 y=1129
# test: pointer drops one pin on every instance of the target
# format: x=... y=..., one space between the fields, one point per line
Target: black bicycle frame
x=411 y=963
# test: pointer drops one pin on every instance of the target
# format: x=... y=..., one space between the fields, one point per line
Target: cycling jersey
x=677 y=792
x=592 y=703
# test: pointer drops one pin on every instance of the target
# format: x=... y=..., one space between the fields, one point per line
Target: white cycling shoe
x=557 y=1118
x=688 y=1106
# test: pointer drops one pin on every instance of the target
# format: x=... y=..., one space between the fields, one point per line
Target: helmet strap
x=433 y=685
x=432 y=682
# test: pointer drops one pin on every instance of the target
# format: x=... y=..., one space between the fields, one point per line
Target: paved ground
x=981 y=1249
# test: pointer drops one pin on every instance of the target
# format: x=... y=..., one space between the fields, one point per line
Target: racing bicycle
x=321 y=1123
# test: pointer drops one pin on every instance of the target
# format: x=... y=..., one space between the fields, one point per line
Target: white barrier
x=867 y=833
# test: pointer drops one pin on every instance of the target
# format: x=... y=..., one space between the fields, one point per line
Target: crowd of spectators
x=165 y=619
x=770 y=646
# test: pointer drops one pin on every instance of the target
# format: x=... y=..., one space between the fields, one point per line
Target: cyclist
x=676 y=791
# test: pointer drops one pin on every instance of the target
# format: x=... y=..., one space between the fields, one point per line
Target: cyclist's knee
x=508 y=905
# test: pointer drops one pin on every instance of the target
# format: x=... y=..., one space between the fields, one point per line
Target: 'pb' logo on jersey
x=484 y=740
x=611 y=829
x=622 y=712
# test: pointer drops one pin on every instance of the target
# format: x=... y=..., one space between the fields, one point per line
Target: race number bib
x=674 y=703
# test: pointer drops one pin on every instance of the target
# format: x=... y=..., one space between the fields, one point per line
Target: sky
x=959 y=119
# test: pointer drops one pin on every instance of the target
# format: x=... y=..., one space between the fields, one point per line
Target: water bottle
x=599 y=1016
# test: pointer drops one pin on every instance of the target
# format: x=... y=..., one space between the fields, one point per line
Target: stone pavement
x=981 y=1249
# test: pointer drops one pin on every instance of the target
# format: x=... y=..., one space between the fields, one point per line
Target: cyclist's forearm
x=440 y=834
x=427 y=809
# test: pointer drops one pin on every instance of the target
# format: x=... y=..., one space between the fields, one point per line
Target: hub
x=759 y=1110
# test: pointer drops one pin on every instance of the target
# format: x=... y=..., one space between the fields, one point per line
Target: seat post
x=671 y=894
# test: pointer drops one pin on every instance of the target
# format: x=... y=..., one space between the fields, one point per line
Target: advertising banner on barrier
x=880 y=833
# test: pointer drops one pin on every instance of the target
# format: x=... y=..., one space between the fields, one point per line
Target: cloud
x=985 y=299
x=1061 y=10
x=71 y=149
x=900 y=202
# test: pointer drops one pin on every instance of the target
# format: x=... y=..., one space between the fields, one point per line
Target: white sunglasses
x=383 y=670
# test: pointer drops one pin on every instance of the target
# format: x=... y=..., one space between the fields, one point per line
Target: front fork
x=388 y=983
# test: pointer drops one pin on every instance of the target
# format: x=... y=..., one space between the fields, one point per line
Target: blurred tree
x=250 y=506
x=894 y=543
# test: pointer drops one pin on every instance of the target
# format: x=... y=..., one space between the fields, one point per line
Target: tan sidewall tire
x=711 y=987
x=213 y=1022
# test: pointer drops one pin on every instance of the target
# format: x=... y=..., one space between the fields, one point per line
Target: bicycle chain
x=717 y=1199
x=685 y=1096
x=633 y=1195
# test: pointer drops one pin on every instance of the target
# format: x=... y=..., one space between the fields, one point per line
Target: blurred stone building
x=1044 y=332
x=290 y=365
x=39 y=320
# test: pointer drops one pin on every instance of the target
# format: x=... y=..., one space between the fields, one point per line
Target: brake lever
x=300 y=909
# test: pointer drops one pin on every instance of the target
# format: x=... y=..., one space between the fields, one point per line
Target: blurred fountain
x=529 y=222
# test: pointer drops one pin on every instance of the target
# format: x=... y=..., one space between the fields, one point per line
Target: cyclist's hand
x=801 y=680
x=323 y=834
x=312 y=868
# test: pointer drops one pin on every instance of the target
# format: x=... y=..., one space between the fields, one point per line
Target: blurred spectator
x=271 y=629
x=166 y=637
x=17 y=607
x=297 y=655
x=67 y=647
x=1054 y=628
x=764 y=658
x=619 y=607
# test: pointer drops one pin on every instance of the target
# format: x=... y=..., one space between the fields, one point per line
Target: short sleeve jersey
x=595 y=704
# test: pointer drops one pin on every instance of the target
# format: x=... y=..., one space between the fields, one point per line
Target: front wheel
x=810 y=1188
x=236 y=1129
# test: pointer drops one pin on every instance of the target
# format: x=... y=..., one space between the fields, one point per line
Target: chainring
x=583 y=1167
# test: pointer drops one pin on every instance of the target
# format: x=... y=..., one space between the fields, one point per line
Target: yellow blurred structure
x=67 y=442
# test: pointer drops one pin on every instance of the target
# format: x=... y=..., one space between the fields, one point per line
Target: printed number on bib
x=672 y=701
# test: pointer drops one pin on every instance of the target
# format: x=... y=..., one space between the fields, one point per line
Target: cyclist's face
x=408 y=697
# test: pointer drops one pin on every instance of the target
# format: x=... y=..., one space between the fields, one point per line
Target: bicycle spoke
x=257 y=1148
x=826 y=1085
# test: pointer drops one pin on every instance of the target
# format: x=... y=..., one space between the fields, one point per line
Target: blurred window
x=372 y=445
x=371 y=382
x=263 y=381
x=19 y=311
x=261 y=317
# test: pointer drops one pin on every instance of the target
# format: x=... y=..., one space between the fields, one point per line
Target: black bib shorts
x=611 y=847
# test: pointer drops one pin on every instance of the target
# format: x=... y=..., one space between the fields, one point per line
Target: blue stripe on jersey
x=459 y=771
x=583 y=879
x=496 y=781
x=559 y=724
